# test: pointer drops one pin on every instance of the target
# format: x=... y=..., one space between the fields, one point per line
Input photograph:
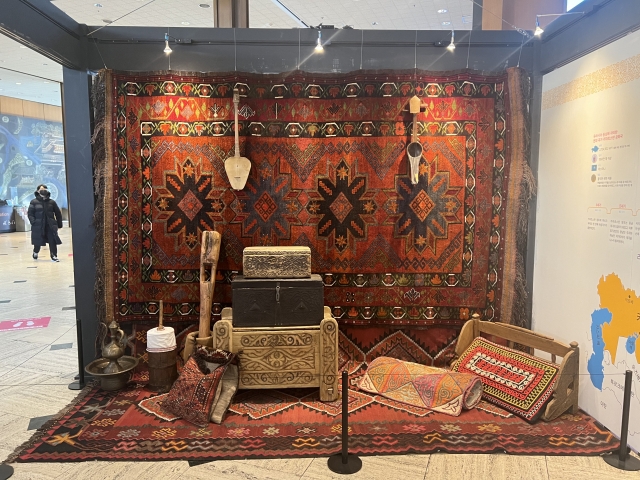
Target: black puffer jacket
x=45 y=218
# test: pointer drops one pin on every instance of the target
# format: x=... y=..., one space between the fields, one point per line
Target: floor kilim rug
x=294 y=423
x=329 y=171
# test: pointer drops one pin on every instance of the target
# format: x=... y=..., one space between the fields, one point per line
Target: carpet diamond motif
x=190 y=205
x=422 y=205
x=265 y=206
x=341 y=207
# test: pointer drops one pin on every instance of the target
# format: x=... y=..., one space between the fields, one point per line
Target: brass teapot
x=115 y=349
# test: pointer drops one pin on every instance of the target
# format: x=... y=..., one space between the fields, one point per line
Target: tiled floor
x=37 y=365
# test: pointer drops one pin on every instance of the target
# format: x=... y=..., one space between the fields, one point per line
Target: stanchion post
x=79 y=385
x=6 y=471
x=344 y=463
x=622 y=460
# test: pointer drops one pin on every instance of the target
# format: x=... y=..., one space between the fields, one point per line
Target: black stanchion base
x=6 y=471
x=75 y=386
x=353 y=465
x=630 y=464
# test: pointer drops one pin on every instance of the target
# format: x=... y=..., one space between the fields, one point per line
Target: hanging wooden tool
x=237 y=167
x=414 y=149
x=209 y=254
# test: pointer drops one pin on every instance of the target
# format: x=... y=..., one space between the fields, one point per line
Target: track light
x=319 y=48
x=167 y=48
x=452 y=46
x=539 y=31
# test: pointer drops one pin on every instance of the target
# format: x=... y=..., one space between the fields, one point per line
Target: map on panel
x=615 y=343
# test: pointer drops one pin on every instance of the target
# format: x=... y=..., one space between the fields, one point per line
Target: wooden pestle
x=160 y=325
x=209 y=254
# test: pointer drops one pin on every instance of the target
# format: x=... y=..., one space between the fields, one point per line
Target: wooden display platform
x=283 y=357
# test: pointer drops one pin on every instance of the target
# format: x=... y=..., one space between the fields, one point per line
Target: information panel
x=587 y=252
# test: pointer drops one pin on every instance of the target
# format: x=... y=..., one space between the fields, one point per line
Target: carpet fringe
x=515 y=296
x=48 y=425
x=528 y=189
x=100 y=176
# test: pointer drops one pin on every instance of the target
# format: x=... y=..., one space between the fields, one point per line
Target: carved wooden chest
x=277 y=302
x=276 y=262
x=284 y=357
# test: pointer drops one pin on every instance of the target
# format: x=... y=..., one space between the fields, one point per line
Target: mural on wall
x=31 y=153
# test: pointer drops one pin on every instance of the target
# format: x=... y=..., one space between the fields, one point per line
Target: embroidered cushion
x=195 y=390
x=513 y=380
x=422 y=386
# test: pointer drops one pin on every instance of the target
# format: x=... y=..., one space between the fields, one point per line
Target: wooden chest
x=286 y=357
x=276 y=262
x=277 y=302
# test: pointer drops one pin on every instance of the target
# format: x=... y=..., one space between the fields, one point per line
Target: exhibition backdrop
x=587 y=255
x=404 y=265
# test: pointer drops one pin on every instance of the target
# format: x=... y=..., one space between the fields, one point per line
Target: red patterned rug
x=293 y=423
x=329 y=171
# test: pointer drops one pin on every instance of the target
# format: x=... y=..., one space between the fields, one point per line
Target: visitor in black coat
x=45 y=218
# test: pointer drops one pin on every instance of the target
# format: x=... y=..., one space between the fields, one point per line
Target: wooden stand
x=283 y=357
x=565 y=391
x=209 y=254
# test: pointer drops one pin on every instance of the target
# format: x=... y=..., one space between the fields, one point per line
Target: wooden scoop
x=209 y=254
x=237 y=167
x=414 y=149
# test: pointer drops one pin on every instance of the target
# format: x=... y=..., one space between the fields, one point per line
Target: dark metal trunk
x=277 y=302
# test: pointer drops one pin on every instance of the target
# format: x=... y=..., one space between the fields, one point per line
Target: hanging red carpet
x=329 y=171
x=293 y=423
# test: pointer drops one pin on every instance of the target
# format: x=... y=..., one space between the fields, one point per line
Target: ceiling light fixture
x=539 y=30
x=452 y=46
x=204 y=5
x=167 y=48
x=444 y=24
x=99 y=5
x=18 y=83
x=374 y=23
x=443 y=10
x=319 y=48
x=186 y=23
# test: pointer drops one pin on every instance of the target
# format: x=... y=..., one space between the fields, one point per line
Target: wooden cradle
x=565 y=391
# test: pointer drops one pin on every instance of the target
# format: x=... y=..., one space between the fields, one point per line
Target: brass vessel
x=115 y=368
x=115 y=349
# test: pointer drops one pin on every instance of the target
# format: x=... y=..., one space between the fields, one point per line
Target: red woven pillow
x=193 y=393
x=513 y=380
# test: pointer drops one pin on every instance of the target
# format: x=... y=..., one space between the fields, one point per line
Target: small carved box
x=277 y=302
x=276 y=262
